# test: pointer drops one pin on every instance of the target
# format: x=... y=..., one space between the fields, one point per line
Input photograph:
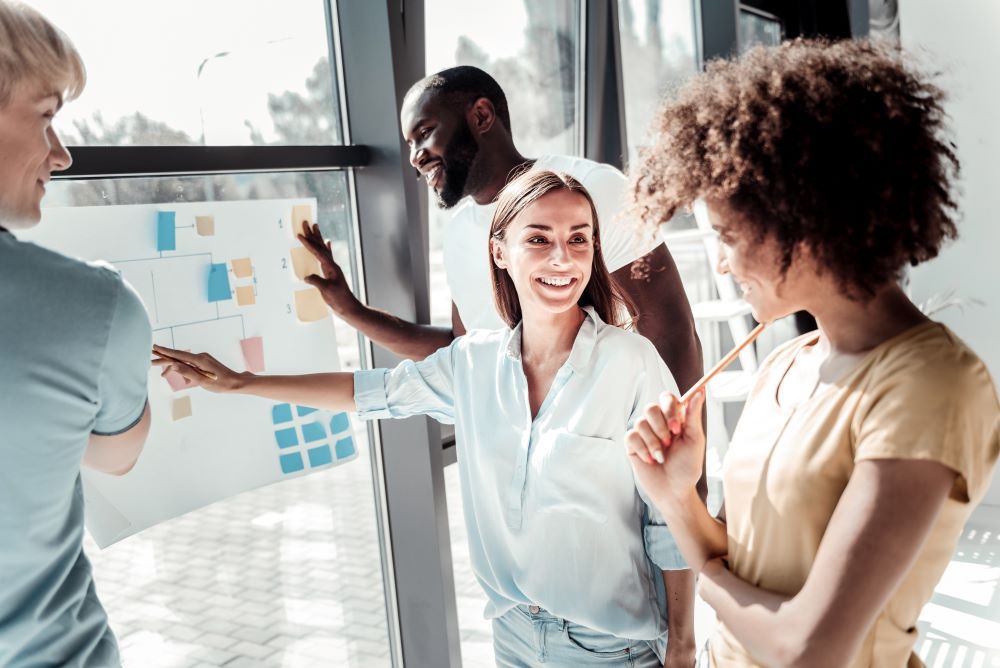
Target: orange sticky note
x=245 y=295
x=242 y=268
x=181 y=408
x=301 y=214
x=253 y=353
x=205 y=225
x=304 y=263
x=309 y=305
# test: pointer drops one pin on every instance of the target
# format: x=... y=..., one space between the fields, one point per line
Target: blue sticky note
x=345 y=448
x=339 y=423
x=320 y=456
x=305 y=410
x=291 y=463
x=218 y=283
x=286 y=437
x=313 y=432
x=166 y=230
x=281 y=413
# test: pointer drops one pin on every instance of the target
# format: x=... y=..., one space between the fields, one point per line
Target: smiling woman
x=556 y=242
x=540 y=408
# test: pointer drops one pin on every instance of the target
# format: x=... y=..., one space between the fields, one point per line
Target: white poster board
x=224 y=278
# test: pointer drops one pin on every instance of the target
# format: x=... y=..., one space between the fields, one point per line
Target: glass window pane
x=288 y=574
x=659 y=47
x=757 y=29
x=193 y=72
x=533 y=50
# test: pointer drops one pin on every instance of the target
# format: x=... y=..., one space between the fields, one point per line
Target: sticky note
x=205 y=226
x=218 y=283
x=313 y=431
x=291 y=463
x=339 y=423
x=176 y=381
x=245 y=295
x=345 y=448
x=320 y=456
x=305 y=410
x=181 y=407
x=281 y=413
x=286 y=437
x=304 y=263
x=166 y=230
x=301 y=214
x=242 y=268
x=253 y=356
x=309 y=305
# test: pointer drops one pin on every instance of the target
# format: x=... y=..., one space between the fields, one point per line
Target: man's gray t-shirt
x=74 y=358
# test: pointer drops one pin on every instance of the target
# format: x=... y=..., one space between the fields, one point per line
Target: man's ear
x=481 y=116
x=497 y=251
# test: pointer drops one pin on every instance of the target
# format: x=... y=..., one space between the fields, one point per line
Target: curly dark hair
x=836 y=144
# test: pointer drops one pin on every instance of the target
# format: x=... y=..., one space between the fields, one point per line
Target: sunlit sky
x=144 y=56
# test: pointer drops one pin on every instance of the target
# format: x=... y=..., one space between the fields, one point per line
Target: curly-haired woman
x=864 y=446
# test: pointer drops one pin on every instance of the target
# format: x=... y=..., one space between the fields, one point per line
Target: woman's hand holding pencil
x=666 y=447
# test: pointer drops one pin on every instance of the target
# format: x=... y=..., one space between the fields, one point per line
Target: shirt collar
x=583 y=346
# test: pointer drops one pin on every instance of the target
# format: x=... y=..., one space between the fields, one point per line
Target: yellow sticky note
x=245 y=295
x=304 y=263
x=301 y=214
x=242 y=268
x=181 y=408
x=205 y=225
x=309 y=305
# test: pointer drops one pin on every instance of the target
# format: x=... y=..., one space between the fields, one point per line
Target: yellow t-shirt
x=920 y=395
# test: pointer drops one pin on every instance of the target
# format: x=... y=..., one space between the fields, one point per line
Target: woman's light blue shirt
x=553 y=514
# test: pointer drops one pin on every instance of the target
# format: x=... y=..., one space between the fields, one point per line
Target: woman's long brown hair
x=602 y=292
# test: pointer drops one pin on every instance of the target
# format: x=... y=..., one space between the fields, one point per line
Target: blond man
x=74 y=355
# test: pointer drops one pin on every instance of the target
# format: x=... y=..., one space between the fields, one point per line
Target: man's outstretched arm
x=404 y=338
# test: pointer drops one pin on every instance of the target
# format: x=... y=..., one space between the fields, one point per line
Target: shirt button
x=534 y=609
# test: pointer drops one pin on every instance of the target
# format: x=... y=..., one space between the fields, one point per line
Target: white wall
x=963 y=40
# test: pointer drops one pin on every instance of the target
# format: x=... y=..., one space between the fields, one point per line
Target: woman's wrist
x=242 y=383
x=678 y=503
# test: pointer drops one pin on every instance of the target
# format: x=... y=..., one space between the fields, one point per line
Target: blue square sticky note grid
x=166 y=230
x=287 y=438
x=345 y=448
x=339 y=423
x=218 y=283
x=291 y=462
x=313 y=432
x=320 y=456
x=281 y=413
x=307 y=441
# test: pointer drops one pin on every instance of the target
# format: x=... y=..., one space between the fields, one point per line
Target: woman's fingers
x=635 y=446
x=693 y=424
x=654 y=444
x=189 y=373
x=673 y=412
x=658 y=423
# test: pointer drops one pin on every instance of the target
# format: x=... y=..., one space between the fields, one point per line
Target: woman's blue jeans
x=528 y=636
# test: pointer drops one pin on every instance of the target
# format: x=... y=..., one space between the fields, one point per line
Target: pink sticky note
x=253 y=353
x=176 y=381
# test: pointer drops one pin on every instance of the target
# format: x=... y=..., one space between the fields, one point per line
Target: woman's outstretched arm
x=330 y=391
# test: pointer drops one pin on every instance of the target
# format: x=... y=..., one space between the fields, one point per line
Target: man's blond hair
x=32 y=49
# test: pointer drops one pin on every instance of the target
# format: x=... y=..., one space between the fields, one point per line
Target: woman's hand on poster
x=198 y=369
x=666 y=447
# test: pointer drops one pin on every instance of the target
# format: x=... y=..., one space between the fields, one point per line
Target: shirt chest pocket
x=578 y=476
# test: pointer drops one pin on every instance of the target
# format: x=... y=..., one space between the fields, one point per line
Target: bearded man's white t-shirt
x=466 y=237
